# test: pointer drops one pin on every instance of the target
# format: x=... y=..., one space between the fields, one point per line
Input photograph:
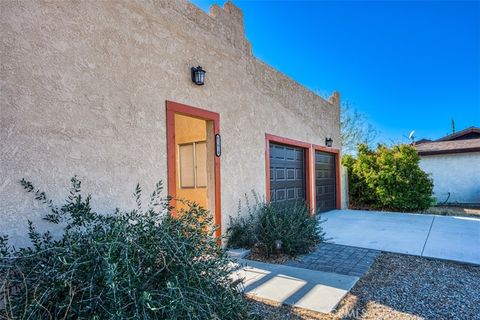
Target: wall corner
x=230 y=21
x=335 y=98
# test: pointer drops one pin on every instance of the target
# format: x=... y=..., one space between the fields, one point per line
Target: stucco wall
x=344 y=186
x=458 y=174
x=83 y=91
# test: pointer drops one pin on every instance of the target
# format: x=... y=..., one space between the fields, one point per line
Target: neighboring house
x=454 y=163
x=104 y=90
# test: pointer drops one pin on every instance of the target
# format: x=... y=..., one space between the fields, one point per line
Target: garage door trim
x=336 y=153
x=294 y=143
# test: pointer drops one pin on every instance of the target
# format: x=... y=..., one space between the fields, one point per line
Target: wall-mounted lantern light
x=198 y=76
x=329 y=142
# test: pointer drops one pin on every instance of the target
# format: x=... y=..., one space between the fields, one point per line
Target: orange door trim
x=173 y=108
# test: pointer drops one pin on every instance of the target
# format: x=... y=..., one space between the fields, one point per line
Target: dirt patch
x=259 y=255
x=444 y=210
x=455 y=211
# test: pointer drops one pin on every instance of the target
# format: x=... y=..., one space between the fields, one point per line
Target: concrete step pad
x=238 y=253
x=303 y=288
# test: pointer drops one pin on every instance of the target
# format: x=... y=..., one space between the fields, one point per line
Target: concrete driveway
x=444 y=237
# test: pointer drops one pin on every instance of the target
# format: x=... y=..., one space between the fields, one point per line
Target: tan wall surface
x=83 y=91
x=344 y=187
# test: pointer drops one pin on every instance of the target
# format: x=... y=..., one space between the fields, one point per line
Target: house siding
x=457 y=174
x=83 y=92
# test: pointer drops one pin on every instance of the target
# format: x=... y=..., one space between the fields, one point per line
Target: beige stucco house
x=104 y=90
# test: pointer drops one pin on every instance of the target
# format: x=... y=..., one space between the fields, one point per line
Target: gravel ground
x=401 y=287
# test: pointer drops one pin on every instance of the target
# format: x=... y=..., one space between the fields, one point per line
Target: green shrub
x=242 y=229
x=388 y=178
x=264 y=225
x=240 y=233
x=141 y=264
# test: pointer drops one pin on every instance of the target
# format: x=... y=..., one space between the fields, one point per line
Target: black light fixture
x=198 y=76
x=329 y=142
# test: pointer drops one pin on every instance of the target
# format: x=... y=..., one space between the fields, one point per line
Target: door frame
x=336 y=153
x=173 y=108
x=308 y=171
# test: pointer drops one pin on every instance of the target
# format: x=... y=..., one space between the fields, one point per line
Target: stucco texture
x=457 y=174
x=83 y=91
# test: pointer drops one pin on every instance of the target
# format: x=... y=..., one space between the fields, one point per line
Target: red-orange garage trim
x=338 y=194
x=309 y=165
x=295 y=143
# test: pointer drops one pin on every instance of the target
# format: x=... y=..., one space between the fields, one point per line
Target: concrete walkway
x=443 y=237
x=308 y=289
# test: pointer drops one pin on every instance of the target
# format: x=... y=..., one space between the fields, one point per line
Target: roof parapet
x=229 y=21
x=334 y=98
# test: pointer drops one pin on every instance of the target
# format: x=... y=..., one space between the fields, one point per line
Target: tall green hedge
x=388 y=178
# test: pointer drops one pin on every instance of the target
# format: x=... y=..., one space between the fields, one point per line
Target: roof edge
x=438 y=152
x=460 y=133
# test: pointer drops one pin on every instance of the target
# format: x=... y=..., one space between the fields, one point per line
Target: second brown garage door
x=325 y=181
x=287 y=174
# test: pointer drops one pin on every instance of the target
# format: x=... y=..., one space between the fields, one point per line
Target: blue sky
x=407 y=65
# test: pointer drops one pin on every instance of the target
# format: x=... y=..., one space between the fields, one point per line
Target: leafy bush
x=141 y=264
x=241 y=233
x=388 y=178
x=266 y=225
x=242 y=229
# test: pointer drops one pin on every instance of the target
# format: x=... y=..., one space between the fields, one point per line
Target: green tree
x=388 y=178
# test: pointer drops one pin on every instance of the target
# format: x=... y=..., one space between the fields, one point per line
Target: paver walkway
x=328 y=257
x=308 y=289
x=444 y=237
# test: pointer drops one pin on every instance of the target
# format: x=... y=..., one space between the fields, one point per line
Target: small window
x=201 y=164
x=193 y=165
x=187 y=165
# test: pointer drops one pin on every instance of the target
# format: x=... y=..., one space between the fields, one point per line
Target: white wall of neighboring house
x=457 y=173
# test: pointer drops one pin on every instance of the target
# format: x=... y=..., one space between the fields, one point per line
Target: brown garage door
x=287 y=174
x=325 y=181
